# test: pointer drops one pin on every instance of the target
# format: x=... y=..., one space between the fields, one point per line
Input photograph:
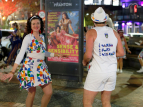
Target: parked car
x=5 y=41
x=127 y=36
x=135 y=34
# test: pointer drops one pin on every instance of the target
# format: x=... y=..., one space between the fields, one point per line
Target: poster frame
x=67 y=69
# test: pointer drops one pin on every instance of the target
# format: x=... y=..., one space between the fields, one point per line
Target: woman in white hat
x=104 y=45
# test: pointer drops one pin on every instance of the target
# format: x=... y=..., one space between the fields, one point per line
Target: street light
x=3 y=18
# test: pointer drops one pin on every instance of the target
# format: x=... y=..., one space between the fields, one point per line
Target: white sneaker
x=120 y=71
x=117 y=70
x=140 y=41
x=140 y=71
x=137 y=43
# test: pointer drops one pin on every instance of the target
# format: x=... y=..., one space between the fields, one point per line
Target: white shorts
x=100 y=81
x=140 y=55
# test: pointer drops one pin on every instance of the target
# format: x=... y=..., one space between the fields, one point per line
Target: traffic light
x=135 y=8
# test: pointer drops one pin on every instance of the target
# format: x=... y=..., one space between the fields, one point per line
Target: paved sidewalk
x=11 y=96
x=128 y=93
x=13 y=104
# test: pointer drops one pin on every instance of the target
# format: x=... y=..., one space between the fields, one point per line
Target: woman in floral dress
x=125 y=47
x=34 y=71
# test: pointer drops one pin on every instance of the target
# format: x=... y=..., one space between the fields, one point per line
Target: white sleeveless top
x=104 y=51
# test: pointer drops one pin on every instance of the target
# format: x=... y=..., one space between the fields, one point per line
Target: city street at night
x=71 y=53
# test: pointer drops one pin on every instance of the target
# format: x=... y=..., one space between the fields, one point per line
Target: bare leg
x=141 y=62
x=47 y=89
x=121 y=63
x=105 y=98
x=118 y=63
x=88 y=98
x=30 y=97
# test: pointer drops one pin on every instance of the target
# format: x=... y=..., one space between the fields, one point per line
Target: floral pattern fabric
x=34 y=72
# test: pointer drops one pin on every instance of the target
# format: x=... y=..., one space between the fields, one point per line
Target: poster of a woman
x=63 y=29
x=65 y=23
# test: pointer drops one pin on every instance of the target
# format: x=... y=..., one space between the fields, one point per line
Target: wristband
x=12 y=72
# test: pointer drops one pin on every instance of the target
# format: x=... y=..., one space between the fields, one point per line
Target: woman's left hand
x=84 y=63
x=7 y=76
x=63 y=56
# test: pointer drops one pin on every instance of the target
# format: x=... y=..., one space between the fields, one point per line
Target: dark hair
x=85 y=29
x=66 y=15
x=99 y=22
x=57 y=27
x=29 y=23
x=120 y=30
x=15 y=24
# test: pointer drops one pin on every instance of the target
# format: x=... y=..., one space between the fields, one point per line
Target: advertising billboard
x=64 y=35
x=63 y=29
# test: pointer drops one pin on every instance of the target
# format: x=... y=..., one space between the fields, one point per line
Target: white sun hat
x=99 y=15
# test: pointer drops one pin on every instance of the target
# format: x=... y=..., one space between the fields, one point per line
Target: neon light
x=129 y=23
x=123 y=5
x=142 y=3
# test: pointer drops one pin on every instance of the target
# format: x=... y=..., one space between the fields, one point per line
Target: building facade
x=130 y=18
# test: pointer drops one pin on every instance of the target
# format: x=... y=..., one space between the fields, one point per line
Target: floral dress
x=34 y=71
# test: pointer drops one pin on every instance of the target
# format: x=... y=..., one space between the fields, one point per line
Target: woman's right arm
x=120 y=50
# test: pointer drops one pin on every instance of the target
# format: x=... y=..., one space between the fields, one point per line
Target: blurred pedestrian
x=34 y=71
x=125 y=47
x=104 y=45
x=15 y=39
x=84 y=42
x=140 y=56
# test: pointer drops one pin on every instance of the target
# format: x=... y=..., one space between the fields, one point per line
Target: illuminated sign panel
x=102 y=2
